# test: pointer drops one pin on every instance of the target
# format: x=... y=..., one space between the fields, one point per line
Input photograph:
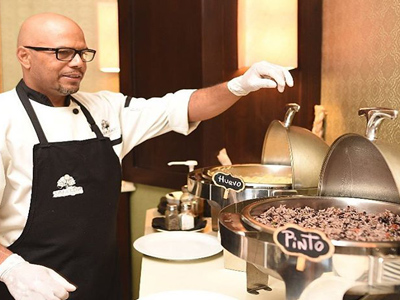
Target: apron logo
x=67 y=187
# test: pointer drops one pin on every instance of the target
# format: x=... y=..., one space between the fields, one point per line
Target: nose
x=77 y=60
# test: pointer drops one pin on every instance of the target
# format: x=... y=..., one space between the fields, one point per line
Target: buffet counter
x=204 y=274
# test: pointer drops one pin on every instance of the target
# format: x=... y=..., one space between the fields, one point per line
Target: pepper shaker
x=172 y=217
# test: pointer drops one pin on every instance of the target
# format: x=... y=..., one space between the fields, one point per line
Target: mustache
x=76 y=74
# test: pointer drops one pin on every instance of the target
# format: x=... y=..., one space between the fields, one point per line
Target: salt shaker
x=172 y=217
x=186 y=217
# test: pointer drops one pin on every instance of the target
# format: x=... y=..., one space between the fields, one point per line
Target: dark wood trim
x=126 y=49
x=310 y=58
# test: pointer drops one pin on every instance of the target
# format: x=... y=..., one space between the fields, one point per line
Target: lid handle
x=375 y=116
x=292 y=109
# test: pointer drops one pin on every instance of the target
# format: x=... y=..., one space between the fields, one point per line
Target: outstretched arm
x=209 y=102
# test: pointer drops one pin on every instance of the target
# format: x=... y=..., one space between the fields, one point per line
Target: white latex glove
x=28 y=281
x=261 y=75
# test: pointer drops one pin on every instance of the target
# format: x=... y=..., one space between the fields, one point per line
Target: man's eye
x=65 y=52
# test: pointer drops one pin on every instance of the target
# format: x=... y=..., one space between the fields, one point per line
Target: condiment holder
x=183 y=210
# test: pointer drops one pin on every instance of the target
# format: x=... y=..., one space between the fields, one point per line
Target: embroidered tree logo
x=66 y=181
x=66 y=185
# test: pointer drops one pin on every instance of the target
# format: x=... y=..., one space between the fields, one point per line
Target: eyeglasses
x=68 y=54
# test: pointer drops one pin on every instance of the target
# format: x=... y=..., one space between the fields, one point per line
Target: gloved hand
x=261 y=75
x=28 y=281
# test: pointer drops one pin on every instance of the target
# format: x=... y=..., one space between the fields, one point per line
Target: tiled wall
x=14 y=12
x=360 y=64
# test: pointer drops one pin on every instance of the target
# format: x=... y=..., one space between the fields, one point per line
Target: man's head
x=42 y=71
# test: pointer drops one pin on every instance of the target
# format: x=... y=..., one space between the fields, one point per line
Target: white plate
x=178 y=245
x=188 y=294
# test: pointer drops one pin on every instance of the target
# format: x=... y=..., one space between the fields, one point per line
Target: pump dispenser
x=190 y=163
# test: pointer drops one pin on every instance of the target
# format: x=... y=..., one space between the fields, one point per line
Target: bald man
x=61 y=150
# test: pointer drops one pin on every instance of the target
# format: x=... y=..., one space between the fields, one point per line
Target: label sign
x=306 y=243
x=228 y=182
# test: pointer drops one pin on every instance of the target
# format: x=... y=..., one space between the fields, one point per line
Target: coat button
x=75 y=111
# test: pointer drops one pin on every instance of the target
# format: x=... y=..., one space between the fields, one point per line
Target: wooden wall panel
x=173 y=44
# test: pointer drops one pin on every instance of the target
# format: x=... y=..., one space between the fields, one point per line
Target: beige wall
x=360 y=64
x=12 y=14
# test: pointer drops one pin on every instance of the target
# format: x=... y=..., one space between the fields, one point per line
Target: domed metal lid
x=296 y=147
x=363 y=167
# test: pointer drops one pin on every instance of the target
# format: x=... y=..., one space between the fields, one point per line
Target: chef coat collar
x=39 y=97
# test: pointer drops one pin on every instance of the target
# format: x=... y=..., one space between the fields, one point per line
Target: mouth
x=72 y=76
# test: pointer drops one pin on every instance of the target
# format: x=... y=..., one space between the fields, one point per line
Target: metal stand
x=256 y=280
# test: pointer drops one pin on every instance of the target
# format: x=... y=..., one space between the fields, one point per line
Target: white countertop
x=206 y=274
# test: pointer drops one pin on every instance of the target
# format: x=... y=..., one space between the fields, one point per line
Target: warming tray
x=319 y=203
x=370 y=263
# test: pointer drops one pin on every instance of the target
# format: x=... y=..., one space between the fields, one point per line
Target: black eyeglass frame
x=56 y=50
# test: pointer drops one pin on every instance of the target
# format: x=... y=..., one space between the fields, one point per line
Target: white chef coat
x=127 y=126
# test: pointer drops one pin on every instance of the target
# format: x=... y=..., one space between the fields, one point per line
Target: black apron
x=71 y=225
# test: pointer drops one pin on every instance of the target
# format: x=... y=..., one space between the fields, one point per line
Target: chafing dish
x=291 y=161
x=357 y=171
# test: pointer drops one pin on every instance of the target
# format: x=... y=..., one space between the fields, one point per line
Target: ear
x=24 y=57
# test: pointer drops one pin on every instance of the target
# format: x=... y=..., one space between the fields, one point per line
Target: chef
x=60 y=166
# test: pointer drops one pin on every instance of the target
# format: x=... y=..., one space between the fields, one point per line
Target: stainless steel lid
x=296 y=147
x=363 y=167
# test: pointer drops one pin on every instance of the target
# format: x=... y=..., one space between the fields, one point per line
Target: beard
x=67 y=91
